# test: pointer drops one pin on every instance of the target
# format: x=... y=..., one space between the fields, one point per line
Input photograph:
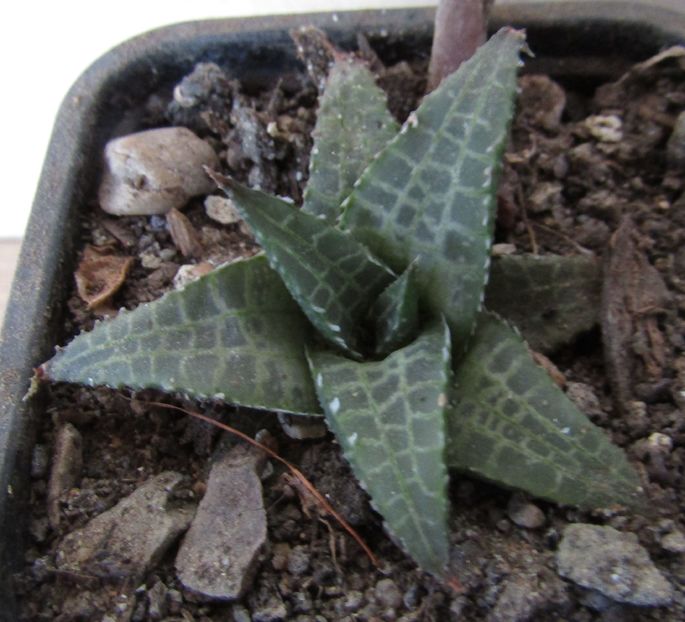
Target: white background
x=45 y=46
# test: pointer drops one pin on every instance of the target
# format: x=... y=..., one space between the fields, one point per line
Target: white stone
x=606 y=128
x=222 y=210
x=153 y=171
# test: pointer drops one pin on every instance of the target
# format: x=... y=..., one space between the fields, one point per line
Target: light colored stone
x=300 y=428
x=584 y=397
x=153 y=171
x=674 y=542
x=613 y=563
x=675 y=148
x=498 y=250
x=606 y=128
x=222 y=210
x=125 y=541
x=524 y=513
x=388 y=594
x=191 y=272
x=219 y=554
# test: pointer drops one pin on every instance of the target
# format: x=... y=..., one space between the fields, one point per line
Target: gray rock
x=153 y=171
x=125 y=541
x=524 y=513
x=67 y=462
x=584 y=397
x=240 y=614
x=675 y=148
x=388 y=594
x=219 y=554
x=157 y=601
x=198 y=86
x=517 y=601
x=266 y=604
x=674 y=542
x=613 y=563
x=298 y=561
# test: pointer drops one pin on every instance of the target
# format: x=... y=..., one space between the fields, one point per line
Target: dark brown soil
x=564 y=190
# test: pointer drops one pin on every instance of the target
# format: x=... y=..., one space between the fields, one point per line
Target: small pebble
x=503 y=249
x=675 y=148
x=150 y=262
x=388 y=594
x=222 y=210
x=298 y=561
x=157 y=601
x=39 y=462
x=191 y=272
x=523 y=513
x=584 y=397
x=605 y=128
x=674 y=542
x=279 y=558
x=353 y=601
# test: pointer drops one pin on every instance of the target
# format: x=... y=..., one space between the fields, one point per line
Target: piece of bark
x=183 y=234
x=633 y=295
x=67 y=462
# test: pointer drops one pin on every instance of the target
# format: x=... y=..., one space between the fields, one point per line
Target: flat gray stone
x=154 y=171
x=127 y=540
x=219 y=554
x=613 y=563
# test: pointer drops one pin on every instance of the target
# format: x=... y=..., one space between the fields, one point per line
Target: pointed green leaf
x=509 y=422
x=550 y=299
x=395 y=315
x=430 y=193
x=235 y=334
x=353 y=124
x=388 y=416
x=331 y=276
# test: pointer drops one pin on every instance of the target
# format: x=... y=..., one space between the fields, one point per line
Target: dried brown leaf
x=633 y=294
x=100 y=274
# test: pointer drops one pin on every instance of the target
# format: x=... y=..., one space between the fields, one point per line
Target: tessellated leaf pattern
x=508 y=422
x=235 y=335
x=389 y=418
x=429 y=195
x=353 y=124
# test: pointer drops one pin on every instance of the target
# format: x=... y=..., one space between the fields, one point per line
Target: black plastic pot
x=578 y=42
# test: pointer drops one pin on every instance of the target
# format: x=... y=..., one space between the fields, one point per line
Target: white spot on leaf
x=334 y=406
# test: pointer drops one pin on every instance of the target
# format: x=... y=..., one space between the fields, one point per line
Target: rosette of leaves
x=366 y=306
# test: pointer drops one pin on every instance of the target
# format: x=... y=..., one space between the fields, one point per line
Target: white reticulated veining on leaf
x=236 y=332
x=509 y=422
x=429 y=196
x=353 y=124
x=389 y=417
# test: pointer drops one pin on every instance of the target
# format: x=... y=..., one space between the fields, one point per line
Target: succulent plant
x=366 y=306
